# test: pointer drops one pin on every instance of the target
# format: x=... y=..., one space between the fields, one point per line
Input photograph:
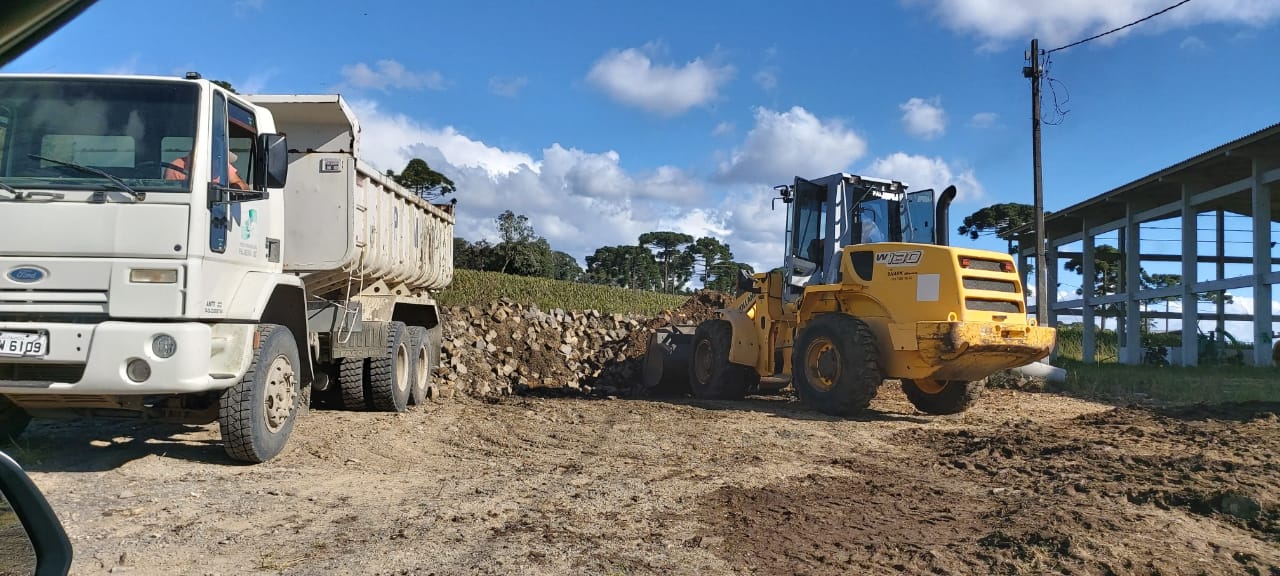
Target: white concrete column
x=1089 y=344
x=1190 y=256
x=1051 y=283
x=1132 y=283
x=1261 y=266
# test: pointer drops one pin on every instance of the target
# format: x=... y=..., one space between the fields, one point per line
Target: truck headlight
x=164 y=346
x=153 y=276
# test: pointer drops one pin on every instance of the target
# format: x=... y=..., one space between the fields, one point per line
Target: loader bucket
x=666 y=363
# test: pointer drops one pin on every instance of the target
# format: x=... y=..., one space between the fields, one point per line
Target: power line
x=1114 y=30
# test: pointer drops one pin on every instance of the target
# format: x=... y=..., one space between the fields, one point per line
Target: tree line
x=659 y=261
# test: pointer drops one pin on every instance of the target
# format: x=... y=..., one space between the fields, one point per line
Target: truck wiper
x=17 y=194
x=97 y=172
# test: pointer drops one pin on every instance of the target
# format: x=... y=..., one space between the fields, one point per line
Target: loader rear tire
x=420 y=369
x=389 y=382
x=13 y=420
x=256 y=416
x=941 y=398
x=711 y=375
x=835 y=365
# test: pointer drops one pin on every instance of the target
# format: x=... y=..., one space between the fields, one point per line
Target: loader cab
x=826 y=214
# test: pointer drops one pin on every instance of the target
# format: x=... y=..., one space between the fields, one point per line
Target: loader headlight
x=153 y=276
x=164 y=346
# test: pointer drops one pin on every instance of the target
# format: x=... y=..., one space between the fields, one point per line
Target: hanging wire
x=1114 y=30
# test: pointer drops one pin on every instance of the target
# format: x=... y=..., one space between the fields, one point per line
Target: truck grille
x=51 y=305
x=990 y=285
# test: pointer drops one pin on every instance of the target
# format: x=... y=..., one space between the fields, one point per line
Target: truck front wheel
x=13 y=420
x=257 y=415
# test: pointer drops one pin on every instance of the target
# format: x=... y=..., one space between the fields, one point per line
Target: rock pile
x=507 y=348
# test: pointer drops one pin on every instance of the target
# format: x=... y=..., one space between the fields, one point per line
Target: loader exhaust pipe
x=942 y=217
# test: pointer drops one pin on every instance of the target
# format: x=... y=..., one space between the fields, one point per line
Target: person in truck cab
x=178 y=170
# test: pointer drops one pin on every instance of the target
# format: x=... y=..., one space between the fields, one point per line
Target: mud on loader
x=869 y=291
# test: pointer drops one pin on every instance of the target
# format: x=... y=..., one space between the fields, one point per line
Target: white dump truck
x=171 y=250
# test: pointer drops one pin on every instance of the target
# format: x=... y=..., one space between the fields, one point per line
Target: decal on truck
x=900 y=258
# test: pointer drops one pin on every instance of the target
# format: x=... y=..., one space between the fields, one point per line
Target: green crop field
x=479 y=288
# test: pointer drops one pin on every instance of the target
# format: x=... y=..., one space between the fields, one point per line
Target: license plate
x=23 y=344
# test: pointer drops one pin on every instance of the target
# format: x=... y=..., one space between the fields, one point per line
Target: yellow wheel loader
x=869 y=290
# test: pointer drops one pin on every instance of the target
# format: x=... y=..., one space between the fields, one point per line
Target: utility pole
x=1042 y=278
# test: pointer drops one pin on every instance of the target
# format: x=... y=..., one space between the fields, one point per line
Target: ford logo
x=26 y=275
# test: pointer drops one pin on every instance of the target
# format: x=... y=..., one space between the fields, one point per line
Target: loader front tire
x=711 y=375
x=256 y=415
x=835 y=365
x=941 y=398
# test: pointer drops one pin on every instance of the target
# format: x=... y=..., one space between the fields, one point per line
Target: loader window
x=809 y=223
x=917 y=217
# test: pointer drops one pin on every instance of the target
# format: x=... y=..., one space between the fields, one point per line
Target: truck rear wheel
x=13 y=420
x=945 y=397
x=421 y=370
x=389 y=374
x=351 y=380
x=711 y=375
x=257 y=415
x=836 y=365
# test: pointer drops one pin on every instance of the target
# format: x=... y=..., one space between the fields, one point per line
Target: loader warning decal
x=900 y=258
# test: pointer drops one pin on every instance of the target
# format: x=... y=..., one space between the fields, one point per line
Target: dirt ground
x=1025 y=483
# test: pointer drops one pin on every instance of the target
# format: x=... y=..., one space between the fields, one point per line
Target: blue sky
x=601 y=120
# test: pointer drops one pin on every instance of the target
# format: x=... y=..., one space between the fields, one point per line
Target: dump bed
x=347 y=225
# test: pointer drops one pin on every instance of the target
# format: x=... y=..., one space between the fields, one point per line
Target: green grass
x=1172 y=385
x=473 y=287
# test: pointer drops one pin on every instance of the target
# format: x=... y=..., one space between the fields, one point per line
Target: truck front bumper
x=94 y=359
x=974 y=350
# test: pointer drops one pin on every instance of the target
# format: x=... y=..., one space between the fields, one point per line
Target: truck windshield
x=137 y=131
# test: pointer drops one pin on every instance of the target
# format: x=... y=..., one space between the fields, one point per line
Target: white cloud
x=1193 y=44
x=632 y=78
x=767 y=78
x=1000 y=22
x=128 y=66
x=255 y=83
x=723 y=129
x=921 y=172
x=924 y=118
x=577 y=200
x=984 y=119
x=507 y=86
x=243 y=7
x=391 y=74
x=783 y=145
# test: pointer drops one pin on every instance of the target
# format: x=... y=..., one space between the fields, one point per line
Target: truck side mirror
x=273 y=157
x=32 y=540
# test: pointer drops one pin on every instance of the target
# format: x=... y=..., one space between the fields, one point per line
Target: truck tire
x=420 y=372
x=13 y=420
x=940 y=398
x=389 y=374
x=835 y=365
x=711 y=375
x=257 y=415
x=351 y=383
